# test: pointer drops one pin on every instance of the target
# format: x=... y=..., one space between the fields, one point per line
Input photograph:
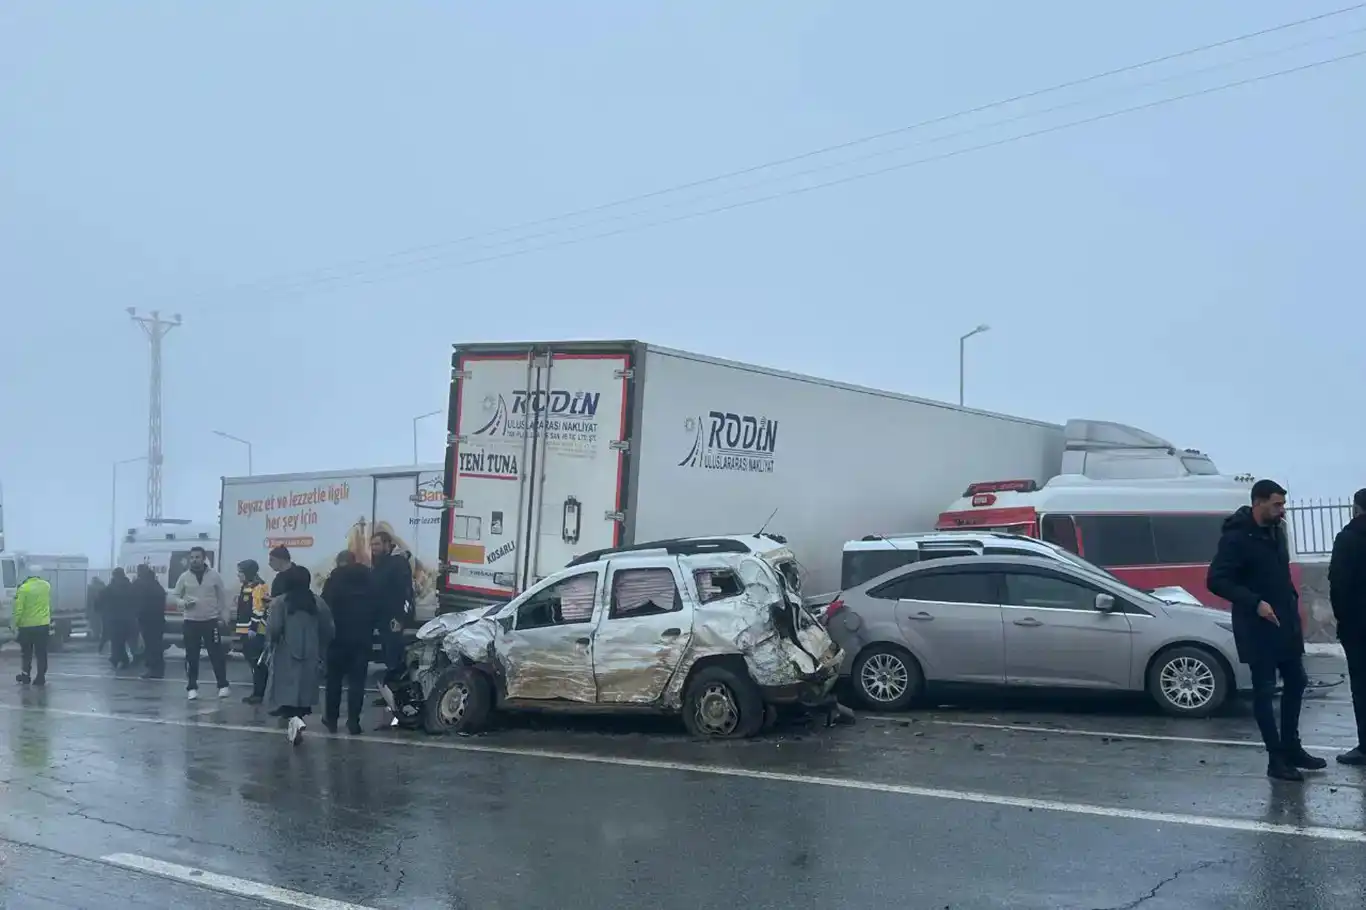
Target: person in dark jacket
x=392 y=581
x=1251 y=570
x=150 y=600
x=348 y=592
x=253 y=604
x=120 y=618
x=1347 y=591
x=93 y=617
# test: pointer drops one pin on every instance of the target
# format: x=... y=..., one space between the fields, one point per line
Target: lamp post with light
x=962 y=353
x=415 y=421
x=114 y=506
x=233 y=438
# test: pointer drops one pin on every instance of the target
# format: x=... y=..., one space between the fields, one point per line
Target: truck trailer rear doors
x=536 y=466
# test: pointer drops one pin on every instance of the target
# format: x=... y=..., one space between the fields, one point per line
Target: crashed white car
x=688 y=627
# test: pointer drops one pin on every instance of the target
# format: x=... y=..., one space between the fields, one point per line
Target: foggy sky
x=1192 y=269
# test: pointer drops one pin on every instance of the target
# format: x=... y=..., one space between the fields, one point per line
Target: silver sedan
x=1024 y=621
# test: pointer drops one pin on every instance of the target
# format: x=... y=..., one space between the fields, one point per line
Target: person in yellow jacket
x=31 y=620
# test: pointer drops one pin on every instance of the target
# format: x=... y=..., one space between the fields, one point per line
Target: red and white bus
x=1150 y=533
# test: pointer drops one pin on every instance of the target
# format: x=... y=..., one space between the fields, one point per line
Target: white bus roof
x=1076 y=494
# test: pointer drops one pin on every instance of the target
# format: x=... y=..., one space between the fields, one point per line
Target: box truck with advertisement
x=319 y=514
x=558 y=449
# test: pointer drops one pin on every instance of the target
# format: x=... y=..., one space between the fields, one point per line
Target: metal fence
x=1315 y=522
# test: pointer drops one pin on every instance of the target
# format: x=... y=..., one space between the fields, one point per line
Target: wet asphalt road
x=928 y=810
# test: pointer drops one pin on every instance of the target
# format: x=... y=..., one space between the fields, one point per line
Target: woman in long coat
x=298 y=632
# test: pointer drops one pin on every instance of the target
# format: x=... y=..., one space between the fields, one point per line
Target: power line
x=577 y=213
x=821 y=168
x=687 y=216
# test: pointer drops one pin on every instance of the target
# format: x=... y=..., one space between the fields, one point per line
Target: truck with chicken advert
x=558 y=449
x=317 y=515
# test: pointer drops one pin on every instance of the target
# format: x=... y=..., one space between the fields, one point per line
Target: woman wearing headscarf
x=298 y=630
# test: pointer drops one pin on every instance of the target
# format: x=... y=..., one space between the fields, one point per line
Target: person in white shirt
x=208 y=619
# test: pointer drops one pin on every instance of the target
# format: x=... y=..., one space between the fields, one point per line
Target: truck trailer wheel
x=460 y=702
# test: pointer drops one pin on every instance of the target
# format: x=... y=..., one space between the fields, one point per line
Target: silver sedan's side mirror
x=1105 y=603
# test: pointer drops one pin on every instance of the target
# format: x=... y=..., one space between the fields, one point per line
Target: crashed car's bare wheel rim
x=717 y=713
x=451 y=708
x=1187 y=682
x=884 y=677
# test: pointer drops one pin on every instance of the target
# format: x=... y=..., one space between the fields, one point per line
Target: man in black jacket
x=1251 y=570
x=1347 y=590
x=150 y=597
x=392 y=581
x=348 y=593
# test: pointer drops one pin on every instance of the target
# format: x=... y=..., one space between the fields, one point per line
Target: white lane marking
x=968 y=796
x=1107 y=734
x=227 y=884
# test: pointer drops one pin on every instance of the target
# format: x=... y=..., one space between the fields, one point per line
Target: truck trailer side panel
x=318 y=514
x=722 y=445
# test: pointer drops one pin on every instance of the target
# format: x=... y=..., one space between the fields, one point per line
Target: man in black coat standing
x=1347 y=590
x=391 y=578
x=1251 y=570
x=348 y=593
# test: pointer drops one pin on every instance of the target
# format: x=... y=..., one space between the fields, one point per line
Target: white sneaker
x=294 y=730
x=224 y=692
x=192 y=694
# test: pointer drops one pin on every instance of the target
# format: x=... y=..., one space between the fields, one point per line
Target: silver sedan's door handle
x=1028 y=621
x=672 y=633
x=922 y=615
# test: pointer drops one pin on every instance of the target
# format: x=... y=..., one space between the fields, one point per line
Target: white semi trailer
x=557 y=449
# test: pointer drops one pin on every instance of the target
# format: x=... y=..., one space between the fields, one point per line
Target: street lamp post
x=962 y=351
x=233 y=438
x=415 y=420
x=114 y=506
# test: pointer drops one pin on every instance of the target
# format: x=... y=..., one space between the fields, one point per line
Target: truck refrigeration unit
x=558 y=449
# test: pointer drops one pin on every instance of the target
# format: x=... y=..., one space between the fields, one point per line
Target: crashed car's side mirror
x=1105 y=603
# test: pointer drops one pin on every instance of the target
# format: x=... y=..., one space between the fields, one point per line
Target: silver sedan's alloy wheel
x=884 y=677
x=1187 y=682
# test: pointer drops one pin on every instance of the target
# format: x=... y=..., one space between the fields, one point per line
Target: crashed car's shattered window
x=716 y=584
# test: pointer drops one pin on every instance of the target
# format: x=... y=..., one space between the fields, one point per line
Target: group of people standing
x=124 y=611
x=295 y=640
x=1251 y=570
x=298 y=641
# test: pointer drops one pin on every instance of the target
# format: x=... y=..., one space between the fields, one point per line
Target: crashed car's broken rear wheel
x=721 y=704
x=459 y=703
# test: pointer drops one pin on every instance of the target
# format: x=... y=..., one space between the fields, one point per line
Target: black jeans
x=346 y=663
x=395 y=651
x=1293 y=681
x=207 y=634
x=1354 y=645
x=120 y=632
x=252 y=649
x=33 y=643
x=153 y=647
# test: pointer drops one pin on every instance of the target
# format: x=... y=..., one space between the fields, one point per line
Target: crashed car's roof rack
x=674 y=546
